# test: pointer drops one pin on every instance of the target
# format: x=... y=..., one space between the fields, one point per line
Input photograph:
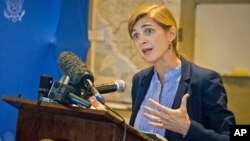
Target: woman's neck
x=165 y=65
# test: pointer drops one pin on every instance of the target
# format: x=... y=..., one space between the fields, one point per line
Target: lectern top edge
x=61 y=109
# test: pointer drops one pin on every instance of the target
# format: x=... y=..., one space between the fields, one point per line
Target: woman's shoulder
x=145 y=71
x=197 y=70
x=200 y=71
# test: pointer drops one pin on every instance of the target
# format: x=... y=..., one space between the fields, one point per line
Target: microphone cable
x=123 y=121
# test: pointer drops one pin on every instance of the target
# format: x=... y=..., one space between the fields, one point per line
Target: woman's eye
x=148 y=31
x=135 y=36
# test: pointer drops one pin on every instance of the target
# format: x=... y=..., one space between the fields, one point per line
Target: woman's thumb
x=184 y=102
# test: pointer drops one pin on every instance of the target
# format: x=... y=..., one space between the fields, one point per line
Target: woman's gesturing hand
x=176 y=120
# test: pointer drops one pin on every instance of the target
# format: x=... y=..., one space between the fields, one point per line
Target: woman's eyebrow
x=146 y=25
x=142 y=26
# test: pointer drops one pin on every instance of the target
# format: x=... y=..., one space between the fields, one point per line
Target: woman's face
x=151 y=40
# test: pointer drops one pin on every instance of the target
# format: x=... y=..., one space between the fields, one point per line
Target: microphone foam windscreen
x=72 y=66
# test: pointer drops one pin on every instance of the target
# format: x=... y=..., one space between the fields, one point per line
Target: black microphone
x=44 y=85
x=118 y=85
x=72 y=66
x=62 y=93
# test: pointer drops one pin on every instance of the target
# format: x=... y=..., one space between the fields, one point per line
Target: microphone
x=44 y=85
x=118 y=85
x=64 y=80
x=72 y=66
x=63 y=93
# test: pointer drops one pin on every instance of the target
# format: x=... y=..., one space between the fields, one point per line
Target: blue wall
x=31 y=39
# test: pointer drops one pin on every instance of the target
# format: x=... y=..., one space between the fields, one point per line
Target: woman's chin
x=149 y=60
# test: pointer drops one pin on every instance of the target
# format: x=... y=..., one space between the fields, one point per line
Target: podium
x=62 y=123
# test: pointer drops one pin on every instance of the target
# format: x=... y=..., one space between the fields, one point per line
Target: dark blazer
x=206 y=105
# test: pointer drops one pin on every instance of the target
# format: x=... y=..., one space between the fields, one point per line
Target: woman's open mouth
x=147 y=50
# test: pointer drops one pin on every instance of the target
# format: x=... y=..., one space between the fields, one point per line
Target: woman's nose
x=143 y=40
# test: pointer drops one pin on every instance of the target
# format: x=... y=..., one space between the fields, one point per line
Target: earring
x=169 y=46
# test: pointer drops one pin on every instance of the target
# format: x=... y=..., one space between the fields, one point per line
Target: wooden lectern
x=61 y=123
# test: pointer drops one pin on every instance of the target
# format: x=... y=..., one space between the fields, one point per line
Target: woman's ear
x=172 y=33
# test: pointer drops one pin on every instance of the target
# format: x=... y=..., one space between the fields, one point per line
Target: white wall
x=222 y=37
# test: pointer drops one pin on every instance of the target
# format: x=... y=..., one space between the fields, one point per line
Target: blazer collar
x=145 y=82
x=183 y=87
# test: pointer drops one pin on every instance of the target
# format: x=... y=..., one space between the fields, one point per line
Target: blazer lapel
x=142 y=90
x=183 y=87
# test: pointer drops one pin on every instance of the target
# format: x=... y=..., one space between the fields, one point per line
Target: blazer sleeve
x=216 y=118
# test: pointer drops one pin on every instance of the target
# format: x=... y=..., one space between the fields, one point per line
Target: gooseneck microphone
x=72 y=66
x=118 y=86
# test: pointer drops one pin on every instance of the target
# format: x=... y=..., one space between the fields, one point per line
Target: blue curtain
x=33 y=33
